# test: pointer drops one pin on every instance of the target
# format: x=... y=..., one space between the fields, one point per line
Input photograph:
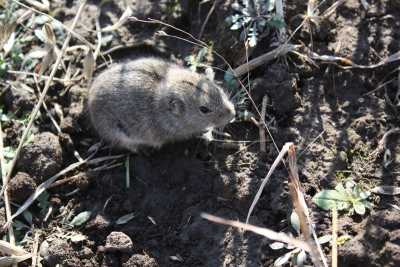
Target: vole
x=151 y=101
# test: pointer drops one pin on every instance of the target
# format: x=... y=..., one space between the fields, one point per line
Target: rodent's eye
x=204 y=109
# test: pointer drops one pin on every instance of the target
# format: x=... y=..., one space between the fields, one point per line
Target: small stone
x=138 y=260
x=17 y=99
x=21 y=186
x=42 y=158
x=98 y=223
x=118 y=241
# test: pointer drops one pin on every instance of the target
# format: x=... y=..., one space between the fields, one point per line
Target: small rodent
x=150 y=101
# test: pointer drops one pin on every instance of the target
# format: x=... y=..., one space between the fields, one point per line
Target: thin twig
x=127 y=174
x=258 y=61
x=35 y=249
x=334 y=238
x=42 y=97
x=207 y=19
x=263 y=145
x=41 y=76
x=99 y=36
x=69 y=30
x=280 y=237
x=6 y=197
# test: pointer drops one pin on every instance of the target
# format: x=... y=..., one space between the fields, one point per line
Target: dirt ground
x=335 y=117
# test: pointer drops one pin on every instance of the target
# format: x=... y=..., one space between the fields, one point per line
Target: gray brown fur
x=149 y=101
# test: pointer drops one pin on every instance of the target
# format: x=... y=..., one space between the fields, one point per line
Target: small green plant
x=253 y=17
x=200 y=59
x=350 y=197
x=297 y=256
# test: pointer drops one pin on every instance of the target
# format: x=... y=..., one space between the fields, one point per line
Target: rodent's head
x=196 y=101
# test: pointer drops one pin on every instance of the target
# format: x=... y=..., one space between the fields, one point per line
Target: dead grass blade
x=12 y=260
x=334 y=237
x=5 y=32
x=124 y=18
x=38 y=5
x=263 y=59
x=48 y=59
x=332 y=9
x=280 y=237
x=41 y=188
x=49 y=33
x=89 y=65
x=263 y=144
x=35 y=249
x=42 y=97
x=300 y=206
x=9 y=249
x=386 y=190
x=278 y=159
x=5 y=196
x=346 y=63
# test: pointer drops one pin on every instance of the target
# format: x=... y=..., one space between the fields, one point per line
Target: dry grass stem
x=210 y=11
x=280 y=237
x=263 y=59
x=9 y=249
x=89 y=64
x=128 y=172
x=334 y=237
x=300 y=206
x=39 y=5
x=35 y=249
x=263 y=144
x=64 y=81
x=13 y=260
x=69 y=30
x=40 y=189
x=278 y=159
x=42 y=97
x=124 y=18
x=5 y=196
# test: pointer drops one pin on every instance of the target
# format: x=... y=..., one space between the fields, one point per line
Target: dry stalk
x=5 y=196
x=207 y=19
x=263 y=144
x=263 y=59
x=35 y=249
x=42 y=97
x=300 y=206
x=69 y=30
x=334 y=237
x=280 y=237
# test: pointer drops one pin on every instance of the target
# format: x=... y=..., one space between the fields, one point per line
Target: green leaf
x=231 y=80
x=359 y=207
x=301 y=258
x=81 y=218
x=324 y=239
x=126 y=218
x=277 y=245
x=340 y=188
x=282 y=260
x=28 y=216
x=327 y=199
x=276 y=22
x=236 y=26
x=295 y=221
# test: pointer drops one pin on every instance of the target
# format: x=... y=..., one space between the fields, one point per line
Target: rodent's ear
x=176 y=105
